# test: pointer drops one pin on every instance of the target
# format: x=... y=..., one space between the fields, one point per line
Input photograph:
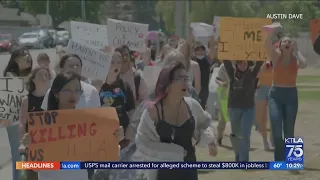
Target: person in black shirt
x=204 y=64
x=37 y=85
x=117 y=93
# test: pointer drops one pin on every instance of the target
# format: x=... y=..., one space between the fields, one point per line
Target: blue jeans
x=241 y=120
x=14 y=141
x=283 y=108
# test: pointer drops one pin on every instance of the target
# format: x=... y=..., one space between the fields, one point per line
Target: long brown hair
x=30 y=85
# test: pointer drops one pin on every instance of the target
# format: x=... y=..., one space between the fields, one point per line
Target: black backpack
x=137 y=79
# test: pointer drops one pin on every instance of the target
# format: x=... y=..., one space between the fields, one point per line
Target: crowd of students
x=167 y=122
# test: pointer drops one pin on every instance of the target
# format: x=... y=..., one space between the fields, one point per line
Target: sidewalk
x=6 y=172
x=5 y=156
x=5 y=152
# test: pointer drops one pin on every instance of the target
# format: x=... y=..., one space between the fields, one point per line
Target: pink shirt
x=128 y=77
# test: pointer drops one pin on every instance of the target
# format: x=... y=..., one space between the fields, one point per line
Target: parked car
x=54 y=35
x=45 y=37
x=31 y=40
x=7 y=44
x=63 y=38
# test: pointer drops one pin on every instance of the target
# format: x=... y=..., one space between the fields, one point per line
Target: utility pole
x=48 y=12
x=178 y=18
x=83 y=10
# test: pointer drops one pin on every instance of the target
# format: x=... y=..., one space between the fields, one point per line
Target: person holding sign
x=241 y=105
x=283 y=94
x=64 y=94
x=37 y=86
x=223 y=81
x=19 y=65
x=117 y=93
x=90 y=96
x=172 y=125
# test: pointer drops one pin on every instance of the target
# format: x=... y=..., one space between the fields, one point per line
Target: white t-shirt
x=89 y=99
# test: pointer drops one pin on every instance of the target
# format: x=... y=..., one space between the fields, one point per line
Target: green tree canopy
x=64 y=10
x=205 y=10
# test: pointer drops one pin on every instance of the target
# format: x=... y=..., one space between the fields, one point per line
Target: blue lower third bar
x=285 y=166
x=70 y=165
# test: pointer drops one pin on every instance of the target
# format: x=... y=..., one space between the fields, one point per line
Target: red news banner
x=38 y=165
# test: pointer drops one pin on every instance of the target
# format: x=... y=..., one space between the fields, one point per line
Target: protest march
x=118 y=99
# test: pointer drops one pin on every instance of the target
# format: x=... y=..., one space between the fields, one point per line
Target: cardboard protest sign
x=242 y=38
x=150 y=75
x=12 y=90
x=92 y=35
x=95 y=63
x=314 y=29
x=127 y=33
x=74 y=135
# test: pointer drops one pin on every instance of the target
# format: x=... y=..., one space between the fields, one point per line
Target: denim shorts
x=262 y=93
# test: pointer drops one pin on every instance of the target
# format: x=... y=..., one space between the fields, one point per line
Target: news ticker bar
x=157 y=165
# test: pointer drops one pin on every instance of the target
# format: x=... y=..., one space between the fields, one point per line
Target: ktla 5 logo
x=295 y=150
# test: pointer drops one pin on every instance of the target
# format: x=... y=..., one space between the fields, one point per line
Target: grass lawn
x=307 y=126
x=308 y=79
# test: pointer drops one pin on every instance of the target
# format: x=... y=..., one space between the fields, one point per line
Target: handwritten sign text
x=127 y=33
x=242 y=39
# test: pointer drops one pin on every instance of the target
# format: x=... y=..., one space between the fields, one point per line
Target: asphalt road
x=5 y=155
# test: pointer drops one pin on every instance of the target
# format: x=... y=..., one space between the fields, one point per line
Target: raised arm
x=301 y=60
x=271 y=51
x=256 y=68
x=229 y=68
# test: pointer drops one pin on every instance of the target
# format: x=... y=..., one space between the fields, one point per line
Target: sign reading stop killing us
x=242 y=39
x=92 y=35
x=127 y=33
x=12 y=91
x=74 y=135
x=95 y=63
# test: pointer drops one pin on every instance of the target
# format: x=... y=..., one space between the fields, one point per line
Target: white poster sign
x=150 y=75
x=12 y=90
x=92 y=35
x=127 y=33
x=95 y=63
x=200 y=29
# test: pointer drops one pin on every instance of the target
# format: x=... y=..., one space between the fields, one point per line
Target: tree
x=205 y=10
x=64 y=10
x=144 y=12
